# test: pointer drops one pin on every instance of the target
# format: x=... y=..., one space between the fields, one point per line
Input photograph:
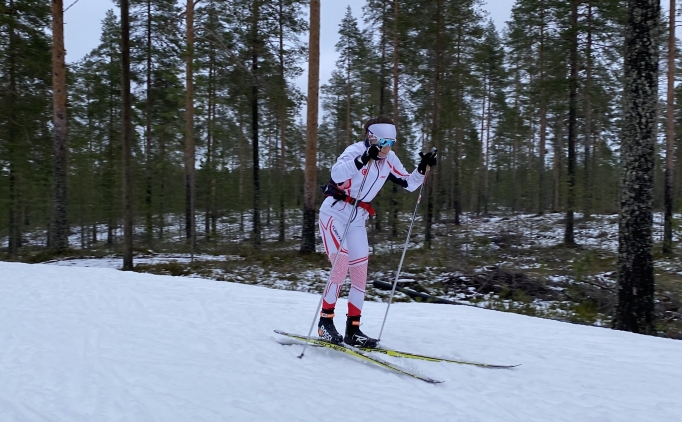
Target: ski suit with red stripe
x=334 y=215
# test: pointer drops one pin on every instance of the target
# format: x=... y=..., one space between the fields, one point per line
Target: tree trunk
x=479 y=197
x=435 y=122
x=60 y=224
x=308 y=235
x=148 y=168
x=635 y=309
x=572 y=123
x=126 y=103
x=13 y=131
x=587 y=182
x=543 y=119
x=459 y=131
x=270 y=142
x=396 y=63
x=486 y=180
x=528 y=198
x=209 y=147
x=670 y=137
x=162 y=188
x=557 y=198
x=396 y=112
x=190 y=193
x=111 y=155
x=215 y=156
x=242 y=168
x=254 y=125
x=14 y=223
x=348 y=102
x=282 y=126
x=382 y=65
x=515 y=143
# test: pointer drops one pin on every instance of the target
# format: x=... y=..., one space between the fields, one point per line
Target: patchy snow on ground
x=532 y=230
x=97 y=344
x=232 y=228
x=116 y=262
x=523 y=229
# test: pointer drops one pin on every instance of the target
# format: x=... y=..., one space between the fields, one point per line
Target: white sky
x=83 y=28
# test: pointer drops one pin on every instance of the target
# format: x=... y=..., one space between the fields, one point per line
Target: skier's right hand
x=371 y=153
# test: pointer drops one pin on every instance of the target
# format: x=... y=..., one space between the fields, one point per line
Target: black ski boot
x=326 y=329
x=355 y=337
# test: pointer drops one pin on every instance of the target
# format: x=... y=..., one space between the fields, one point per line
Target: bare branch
x=70 y=6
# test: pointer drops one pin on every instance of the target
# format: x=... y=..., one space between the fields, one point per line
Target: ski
x=408 y=355
x=358 y=354
x=399 y=354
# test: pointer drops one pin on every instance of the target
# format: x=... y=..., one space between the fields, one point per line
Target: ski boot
x=326 y=329
x=356 y=338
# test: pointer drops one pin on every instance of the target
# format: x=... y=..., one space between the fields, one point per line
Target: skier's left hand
x=428 y=159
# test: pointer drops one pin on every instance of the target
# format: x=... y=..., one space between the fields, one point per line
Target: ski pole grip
x=434 y=152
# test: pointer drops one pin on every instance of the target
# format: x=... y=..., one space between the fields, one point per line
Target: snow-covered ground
x=96 y=344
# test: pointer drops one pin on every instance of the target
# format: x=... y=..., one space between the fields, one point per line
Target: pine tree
x=255 y=47
x=24 y=84
x=635 y=307
x=572 y=121
x=107 y=63
x=345 y=96
x=534 y=46
x=156 y=53
x=190 y=187
x=208 y=85
x=126 y=116
x=670 y=135
x=60 y=225
x=308 y=235
x=489 y=62
x=350 y=63
x=446 y=34
x=90 y=124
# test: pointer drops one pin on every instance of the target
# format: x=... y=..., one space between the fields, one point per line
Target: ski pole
x=407 y=241
x=336 y=258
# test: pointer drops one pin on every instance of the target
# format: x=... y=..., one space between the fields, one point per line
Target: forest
x=183 y=131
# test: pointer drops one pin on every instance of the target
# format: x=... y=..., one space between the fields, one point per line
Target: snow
x=97 y=344
x=116 y=262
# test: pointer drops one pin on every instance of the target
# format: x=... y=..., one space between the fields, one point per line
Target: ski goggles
x=385 y=142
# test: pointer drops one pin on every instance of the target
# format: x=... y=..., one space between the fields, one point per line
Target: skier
x=374 y=162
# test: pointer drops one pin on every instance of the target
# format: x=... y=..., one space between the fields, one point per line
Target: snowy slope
x=96 y=344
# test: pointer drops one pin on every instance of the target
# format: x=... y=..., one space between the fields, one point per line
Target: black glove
x=371 y=153
x=428 y=159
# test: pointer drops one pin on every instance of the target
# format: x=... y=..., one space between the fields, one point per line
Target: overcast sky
x=83 y=27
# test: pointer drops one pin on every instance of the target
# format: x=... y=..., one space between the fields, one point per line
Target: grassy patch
x=44 y=255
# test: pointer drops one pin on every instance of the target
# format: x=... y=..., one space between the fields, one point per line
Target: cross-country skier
x=374 y=162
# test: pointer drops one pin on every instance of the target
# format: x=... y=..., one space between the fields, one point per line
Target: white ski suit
x=335 y=214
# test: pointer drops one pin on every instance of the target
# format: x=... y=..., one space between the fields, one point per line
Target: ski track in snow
x=96 y=344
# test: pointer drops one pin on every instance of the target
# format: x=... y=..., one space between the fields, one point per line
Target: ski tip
x=500 y=366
